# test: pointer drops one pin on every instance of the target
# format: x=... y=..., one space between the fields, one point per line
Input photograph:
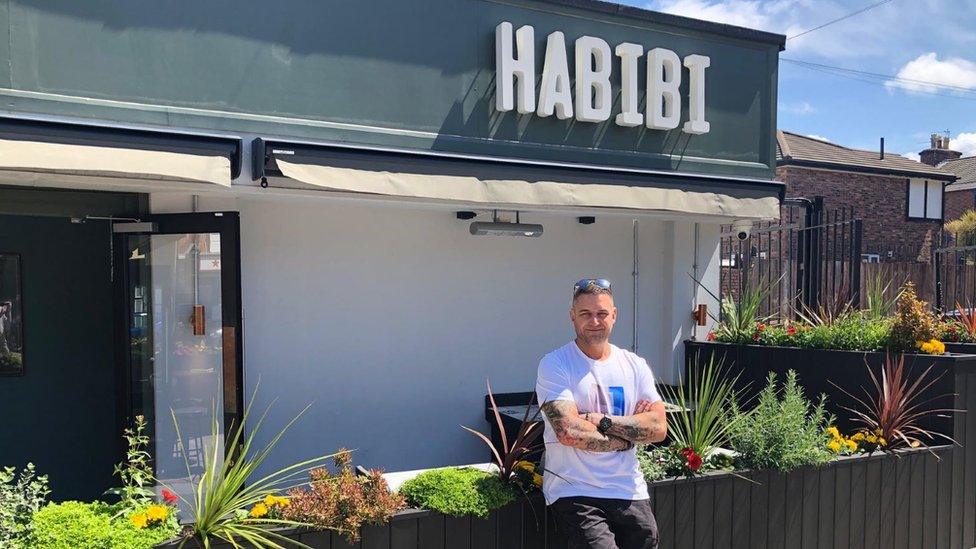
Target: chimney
x=938 y=151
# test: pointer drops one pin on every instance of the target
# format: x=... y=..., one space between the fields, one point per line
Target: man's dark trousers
x=602 y=523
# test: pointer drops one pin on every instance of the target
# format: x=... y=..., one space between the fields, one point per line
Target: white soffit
x=524 y=194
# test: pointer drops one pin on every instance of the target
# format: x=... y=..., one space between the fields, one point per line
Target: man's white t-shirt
x=612 y=386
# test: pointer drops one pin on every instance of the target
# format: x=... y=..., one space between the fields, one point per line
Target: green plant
x=964 y=228
x=458 y=491
x=343 y=501
x=76 y=525
x=879 y=305
x=828 y=309
x=230 y=485
x=913 y=321
x=522 y=447
x=135 y=472
x=738 y=318
x=21 y=497
x=895 y=409
x=701 y=422
x=652 y=465
x=784 y=430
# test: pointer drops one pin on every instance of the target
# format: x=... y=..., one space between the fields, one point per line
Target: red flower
x=755 y=336
x=710 y=336
x=694 y=460
x=170 y=497
x=790 y=331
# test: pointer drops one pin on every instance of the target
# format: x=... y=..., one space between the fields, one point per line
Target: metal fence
x=955 y=274
x=810 y=256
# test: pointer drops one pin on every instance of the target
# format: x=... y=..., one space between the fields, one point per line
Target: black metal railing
x=810 y=255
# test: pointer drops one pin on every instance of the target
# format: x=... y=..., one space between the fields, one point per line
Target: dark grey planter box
x=962 y=348
x=820 y=369
x=879 y=501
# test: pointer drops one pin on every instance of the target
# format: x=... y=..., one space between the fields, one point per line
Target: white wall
x=391 y=318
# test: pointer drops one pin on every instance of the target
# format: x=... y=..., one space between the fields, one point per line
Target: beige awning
x=500 y=193
x=112 y=162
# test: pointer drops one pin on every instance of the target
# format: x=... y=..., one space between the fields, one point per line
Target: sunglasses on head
x=584 y=283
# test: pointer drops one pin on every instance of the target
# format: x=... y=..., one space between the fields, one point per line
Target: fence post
x=856 y=264
x=937 y=267
x=813 y=258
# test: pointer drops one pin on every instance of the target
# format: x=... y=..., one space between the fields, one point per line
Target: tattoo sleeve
x=572 y=430
x=641 y=428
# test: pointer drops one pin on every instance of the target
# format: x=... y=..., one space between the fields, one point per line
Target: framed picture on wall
x=11 y=316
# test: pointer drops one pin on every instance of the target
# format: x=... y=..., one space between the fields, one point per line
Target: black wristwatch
x=605 y=424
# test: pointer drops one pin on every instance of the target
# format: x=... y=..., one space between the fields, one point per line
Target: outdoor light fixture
x=503 y=228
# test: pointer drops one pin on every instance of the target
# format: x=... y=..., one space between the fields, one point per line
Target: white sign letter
x=696 y=94
x=508 y=67
x=592 y=79
x=629 y=54
x=555 y=92
x=663 y=79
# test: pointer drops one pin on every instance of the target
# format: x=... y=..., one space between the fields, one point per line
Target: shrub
x=343 y=501
x=76 y=525
x=20 y=499
x=784 y=431
x=458 y=491
x=135 y=472
x=652 y=465
x=700 y=423
x=852 y=332
x=913 y=321
x=677 y=461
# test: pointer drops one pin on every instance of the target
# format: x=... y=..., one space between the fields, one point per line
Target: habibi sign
x=591 y=98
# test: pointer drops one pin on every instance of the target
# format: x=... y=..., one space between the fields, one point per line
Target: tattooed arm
x=573 y=430
x=647 y=425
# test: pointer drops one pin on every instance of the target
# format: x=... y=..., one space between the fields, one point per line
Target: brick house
x=899 y=200
x=961 y=195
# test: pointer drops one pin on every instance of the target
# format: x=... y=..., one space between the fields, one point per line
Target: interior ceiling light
x=504 y=228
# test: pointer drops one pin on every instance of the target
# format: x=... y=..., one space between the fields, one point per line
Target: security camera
x=742 y=229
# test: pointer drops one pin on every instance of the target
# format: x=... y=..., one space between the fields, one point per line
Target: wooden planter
x=879 y=501
x=820 y=369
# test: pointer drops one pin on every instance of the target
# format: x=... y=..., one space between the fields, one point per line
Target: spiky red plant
x=895 y=409
x=967 y=319
x=522 y=447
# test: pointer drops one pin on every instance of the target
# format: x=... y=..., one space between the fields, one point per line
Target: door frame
x=226 y=223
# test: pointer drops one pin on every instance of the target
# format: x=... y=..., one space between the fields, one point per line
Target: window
x=924 y=199
x=871 y=258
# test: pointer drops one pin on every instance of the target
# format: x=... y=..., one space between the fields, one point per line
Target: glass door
x=182 y=355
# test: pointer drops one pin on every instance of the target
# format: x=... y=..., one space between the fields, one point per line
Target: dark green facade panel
x=386 y=72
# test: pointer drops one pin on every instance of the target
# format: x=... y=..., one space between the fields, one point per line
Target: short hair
x=592 y=289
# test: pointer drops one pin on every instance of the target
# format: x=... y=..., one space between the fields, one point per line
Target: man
x=599 y=402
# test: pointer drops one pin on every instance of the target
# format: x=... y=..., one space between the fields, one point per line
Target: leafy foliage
x=522 y=447
x=913 y=321
x=343 y=501
x=829 y=308
x=76 y=525
x=135 y=472
x=964 y=228
x=458 y=491
x=230 y=485
x=894 y=411
x=784 y=431
x=701 y=423
x=676 y=461
x=21 y=497
x=877 y=292
x=853 y=332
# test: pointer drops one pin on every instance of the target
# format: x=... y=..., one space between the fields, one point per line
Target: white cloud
x=752 y=14
x=818 y=137
x=799 y=109
x=913 y=156
x=964 y=143
x=952 y=71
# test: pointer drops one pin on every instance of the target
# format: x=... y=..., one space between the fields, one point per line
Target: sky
x=918 y=41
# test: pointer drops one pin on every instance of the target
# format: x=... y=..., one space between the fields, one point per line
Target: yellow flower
x=526 y=465
x=139 y=520
x=272 y=501
x=858 y=436
x=537 y=479
x=259 y=510
x=851 y=445
x=834 y=446
x=157 y=512
x=882 y=442
x=871 y=439
x=832 y=431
